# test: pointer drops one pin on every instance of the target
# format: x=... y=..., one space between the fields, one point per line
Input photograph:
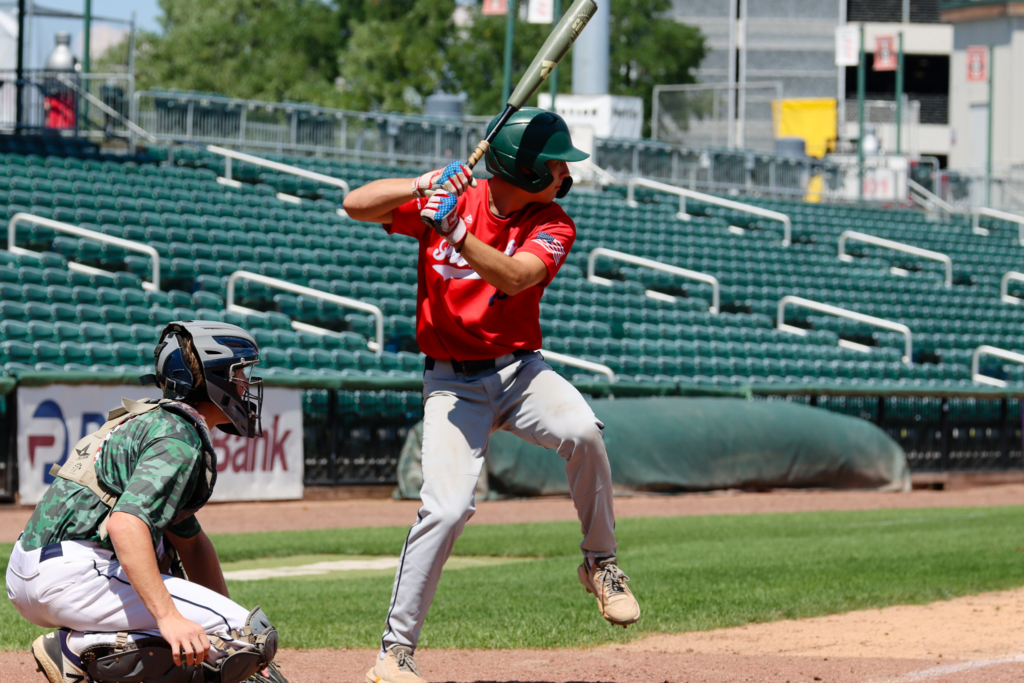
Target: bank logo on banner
x=52 y=419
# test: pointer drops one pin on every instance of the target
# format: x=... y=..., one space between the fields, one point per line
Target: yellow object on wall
x=813 y=119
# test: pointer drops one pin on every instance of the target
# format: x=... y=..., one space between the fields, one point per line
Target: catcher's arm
x=199 y=559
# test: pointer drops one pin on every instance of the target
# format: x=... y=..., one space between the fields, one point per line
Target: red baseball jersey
x=459 y=316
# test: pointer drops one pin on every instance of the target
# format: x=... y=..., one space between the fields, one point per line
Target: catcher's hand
x=455 y=179
x=442 y=214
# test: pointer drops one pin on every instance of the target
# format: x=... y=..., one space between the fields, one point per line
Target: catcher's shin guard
x=147 y=660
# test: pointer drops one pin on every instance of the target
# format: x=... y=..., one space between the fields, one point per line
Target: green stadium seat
x=48 y=352
x=17 y=352
x=145 y=333
x=15 y=330
x=39 y=330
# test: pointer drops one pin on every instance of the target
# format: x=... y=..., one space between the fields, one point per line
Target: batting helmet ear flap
x=565 y=187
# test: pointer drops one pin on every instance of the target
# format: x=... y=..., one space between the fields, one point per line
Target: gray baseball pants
x=523 y=396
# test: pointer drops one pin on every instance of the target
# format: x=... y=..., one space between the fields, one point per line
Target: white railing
x=230 y=154
x=655 y=265
x=985 y=350
x=1004 y=287
x=924 y=197
x=895 y=246
x=286 y=286
x=683 y=193
x=12 y=229
x=999 y=215
x=579 y=363
x=908 y=349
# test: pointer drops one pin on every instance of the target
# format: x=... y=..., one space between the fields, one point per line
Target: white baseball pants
x=523 y=396
x=86 y=590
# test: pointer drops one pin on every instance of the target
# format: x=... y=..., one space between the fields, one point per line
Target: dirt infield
x=973 y=639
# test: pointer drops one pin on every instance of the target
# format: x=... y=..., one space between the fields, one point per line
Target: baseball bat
x=558 y=43
x=551 y=52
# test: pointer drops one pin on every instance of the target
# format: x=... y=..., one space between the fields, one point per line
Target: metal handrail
x=984 y=349
x=1004 y=287
x=12 y=229
x=655 y=265
x=579 y=363
x=267 y=163
x=683 y=193
x=377 y=345
x=109 y=111
x=980 y=211
x=895 y=246
x=908 y=350
x=929 y=199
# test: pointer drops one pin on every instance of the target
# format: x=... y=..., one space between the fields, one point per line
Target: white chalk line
x=317 y=568
x=958 y=667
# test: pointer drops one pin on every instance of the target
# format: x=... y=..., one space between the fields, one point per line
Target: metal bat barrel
x=554 y=48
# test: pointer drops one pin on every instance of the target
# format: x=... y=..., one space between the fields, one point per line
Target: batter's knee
x=583 y=438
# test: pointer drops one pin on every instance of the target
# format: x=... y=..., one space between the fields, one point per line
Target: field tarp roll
x=703 y=444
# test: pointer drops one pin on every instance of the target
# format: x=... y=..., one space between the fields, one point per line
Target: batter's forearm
x=134 y=548
x=374 y=202
x=508 y=274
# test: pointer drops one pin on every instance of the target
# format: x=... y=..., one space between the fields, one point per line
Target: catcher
x=102 y=556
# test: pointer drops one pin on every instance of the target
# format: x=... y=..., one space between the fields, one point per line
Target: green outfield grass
x=690 y=573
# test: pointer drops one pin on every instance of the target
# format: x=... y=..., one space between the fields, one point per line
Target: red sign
x=494 y=7
x=885 y=54
x=977 y=63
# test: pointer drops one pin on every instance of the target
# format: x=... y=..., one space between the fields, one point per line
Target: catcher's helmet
x=222 y=349
x=529 y=138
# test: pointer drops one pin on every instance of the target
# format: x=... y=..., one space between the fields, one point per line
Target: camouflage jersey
x=153 y=462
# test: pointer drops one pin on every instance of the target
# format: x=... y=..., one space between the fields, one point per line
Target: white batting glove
x=442 y=213
x=454 y=179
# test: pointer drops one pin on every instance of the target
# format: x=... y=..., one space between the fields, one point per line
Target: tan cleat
x=607 y=582
x=397 y=666
x=51 y=660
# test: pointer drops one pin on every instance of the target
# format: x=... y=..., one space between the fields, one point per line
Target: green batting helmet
x=529 y=138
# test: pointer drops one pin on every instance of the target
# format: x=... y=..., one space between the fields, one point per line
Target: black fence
x=355 y=437
x=938 y=433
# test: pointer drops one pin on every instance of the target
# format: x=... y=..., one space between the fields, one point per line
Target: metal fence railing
x=939 y=433
x=356 y=437
x=301 y=128
x=59 y=102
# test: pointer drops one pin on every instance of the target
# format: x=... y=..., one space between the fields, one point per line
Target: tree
x=476 y=58
x=395 y=55
x=649 y=50
x=258 y=49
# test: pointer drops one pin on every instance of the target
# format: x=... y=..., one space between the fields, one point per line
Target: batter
x=481 y=274
x=100 y=558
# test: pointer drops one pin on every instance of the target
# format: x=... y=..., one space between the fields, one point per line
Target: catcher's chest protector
x=80 y=466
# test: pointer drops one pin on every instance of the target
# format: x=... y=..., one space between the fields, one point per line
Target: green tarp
x=701 y=444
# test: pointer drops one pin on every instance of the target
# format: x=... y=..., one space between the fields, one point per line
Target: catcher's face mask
x=228 y=355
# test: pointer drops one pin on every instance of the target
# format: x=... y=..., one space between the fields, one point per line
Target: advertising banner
x=493 y=7
x=847 y=45
x=885 y=54
x=53 y=418
x=977 y=63
x=540 y=12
